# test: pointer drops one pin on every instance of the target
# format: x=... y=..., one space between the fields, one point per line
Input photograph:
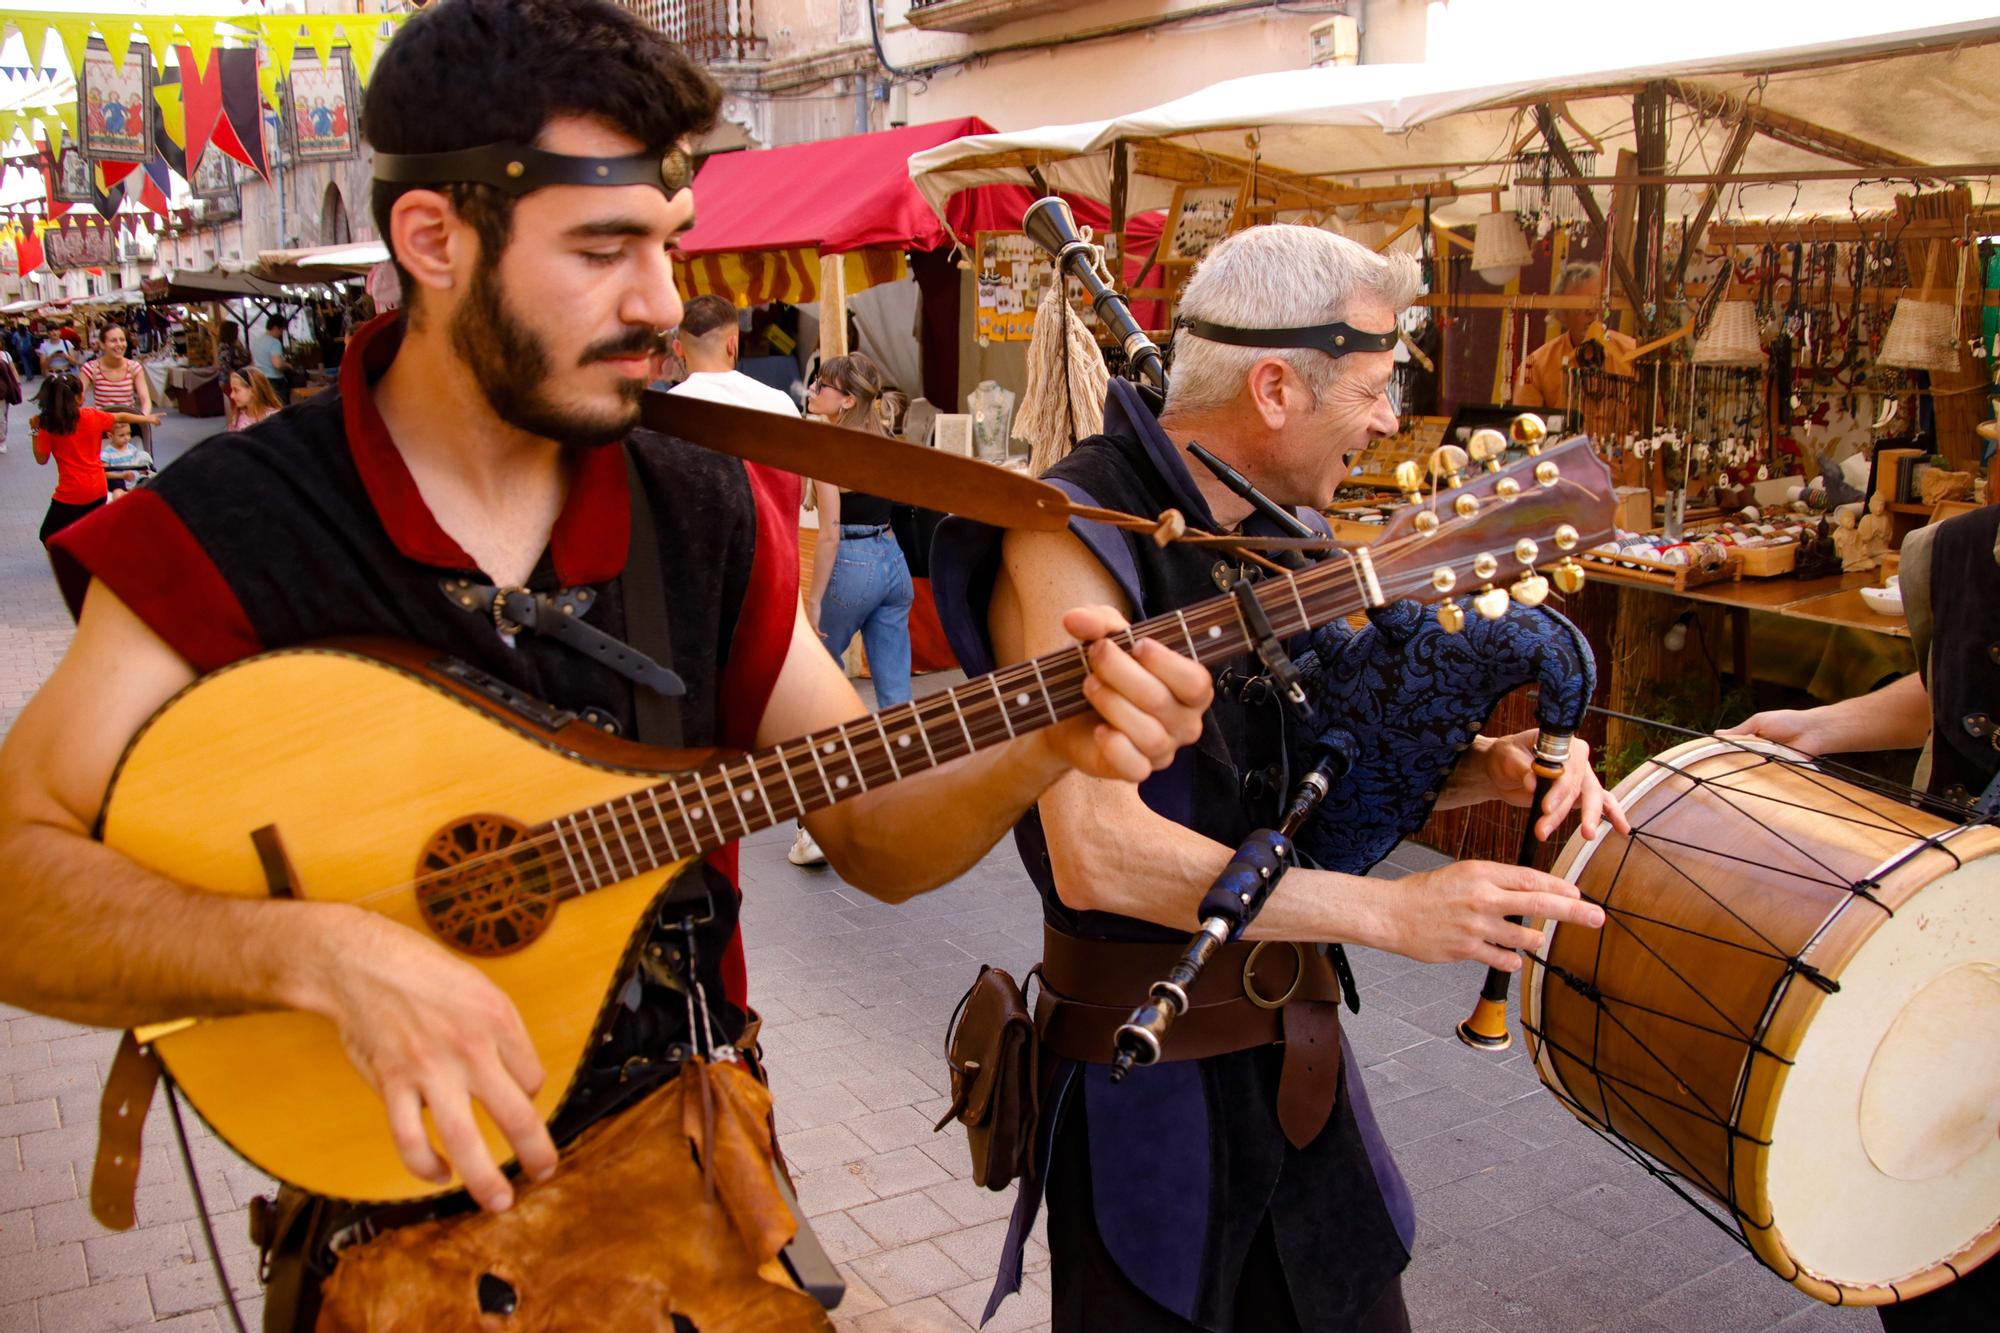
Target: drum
x=1793 y=1006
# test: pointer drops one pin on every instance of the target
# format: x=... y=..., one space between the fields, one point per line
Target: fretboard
x=696 y=812
x=1488 y=535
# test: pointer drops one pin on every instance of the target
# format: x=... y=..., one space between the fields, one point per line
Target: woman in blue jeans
x=860 y=582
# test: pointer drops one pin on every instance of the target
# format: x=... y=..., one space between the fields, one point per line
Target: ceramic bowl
x=1884 y=601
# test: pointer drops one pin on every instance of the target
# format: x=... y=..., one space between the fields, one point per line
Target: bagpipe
x=1379 y=715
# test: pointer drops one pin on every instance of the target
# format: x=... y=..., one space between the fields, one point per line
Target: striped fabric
x=754 y=277
x=113 y=394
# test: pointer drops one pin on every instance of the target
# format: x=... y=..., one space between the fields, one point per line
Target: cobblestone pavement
x=1526 y=1221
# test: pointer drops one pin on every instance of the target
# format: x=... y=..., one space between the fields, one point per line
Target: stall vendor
x=1546 y=376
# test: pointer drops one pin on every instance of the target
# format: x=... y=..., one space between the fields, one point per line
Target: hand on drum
x=1510 y=771
x=1459 y=912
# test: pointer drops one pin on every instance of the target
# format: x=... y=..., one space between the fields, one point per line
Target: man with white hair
x=1544 y=380
x=1240 y=1184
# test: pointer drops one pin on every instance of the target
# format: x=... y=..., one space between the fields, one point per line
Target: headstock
x=1492 y=533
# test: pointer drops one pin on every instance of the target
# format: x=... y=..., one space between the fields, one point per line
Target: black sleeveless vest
x=1964 y=675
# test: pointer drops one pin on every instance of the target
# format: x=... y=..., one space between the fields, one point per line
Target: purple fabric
x=1395 y=1193
x=1149 y=1176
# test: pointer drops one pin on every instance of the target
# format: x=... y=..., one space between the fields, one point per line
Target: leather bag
x=995 y=1062
x=663 y=1217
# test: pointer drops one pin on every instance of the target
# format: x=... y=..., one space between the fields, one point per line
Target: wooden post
x=1545 y=120
x=1120 y=180
x=832 y=306
x=1649 y=125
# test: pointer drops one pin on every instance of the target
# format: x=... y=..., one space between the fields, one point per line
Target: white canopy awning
x=1926 y=93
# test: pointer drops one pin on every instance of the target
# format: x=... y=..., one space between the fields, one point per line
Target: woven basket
x=1499 y=250
x=1921 y=337
x=1731 y=339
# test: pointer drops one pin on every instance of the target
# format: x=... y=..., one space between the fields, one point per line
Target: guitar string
x=1329 y=577
x=983 y=710
x=981 y=718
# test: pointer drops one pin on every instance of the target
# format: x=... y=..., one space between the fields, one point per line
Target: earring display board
x=1013 y=274
x=954 y=433
x=1200 y=216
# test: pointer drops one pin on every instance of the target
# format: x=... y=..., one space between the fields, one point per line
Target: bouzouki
x=383 y=776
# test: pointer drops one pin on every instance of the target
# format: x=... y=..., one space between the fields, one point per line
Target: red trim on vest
x=757 y=655
x=770 y=607
x=139 y=548
x=591 y=533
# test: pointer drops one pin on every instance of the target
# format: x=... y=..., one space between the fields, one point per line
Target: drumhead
x=1885 y=1147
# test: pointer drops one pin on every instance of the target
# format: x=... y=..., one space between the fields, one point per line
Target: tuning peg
x=1528 y=431
x=1451 y=617
x=1547 y=473
x=1409 y=478
x=1491 y=604
x=1487 y=446
x=1569 y=576
x=1449 y=461
x=1567 y=537
x=1532 y=590
x=1425 y=522
x=1525 y=551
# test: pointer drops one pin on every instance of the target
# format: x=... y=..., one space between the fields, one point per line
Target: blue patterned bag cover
x=1401 y=698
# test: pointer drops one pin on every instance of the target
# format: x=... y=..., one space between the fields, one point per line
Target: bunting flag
x=223 y=106
x=170 y=125
x=28 y=253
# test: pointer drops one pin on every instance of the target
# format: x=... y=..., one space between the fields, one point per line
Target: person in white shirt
x=707 y=341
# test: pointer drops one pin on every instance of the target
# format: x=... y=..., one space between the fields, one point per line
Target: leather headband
x=1333 y=339
x=519 y=169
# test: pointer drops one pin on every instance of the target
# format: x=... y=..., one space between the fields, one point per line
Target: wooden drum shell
x=1686 y=1057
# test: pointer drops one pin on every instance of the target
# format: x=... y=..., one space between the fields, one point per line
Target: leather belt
x=1250 y=995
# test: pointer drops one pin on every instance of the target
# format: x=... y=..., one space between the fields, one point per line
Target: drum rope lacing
x=1629 y=1093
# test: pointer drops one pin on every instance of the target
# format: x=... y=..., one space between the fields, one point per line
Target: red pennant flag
x=201 y=102
x=28 y=252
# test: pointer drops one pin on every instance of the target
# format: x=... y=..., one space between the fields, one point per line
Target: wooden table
x=1780 y=595
x=1848 y=609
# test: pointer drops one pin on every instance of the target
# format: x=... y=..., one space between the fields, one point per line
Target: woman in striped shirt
x=116 y=384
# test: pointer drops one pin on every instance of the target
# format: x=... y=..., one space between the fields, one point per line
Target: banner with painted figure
x=322 y=108
x=114 y=104
x=80 y=247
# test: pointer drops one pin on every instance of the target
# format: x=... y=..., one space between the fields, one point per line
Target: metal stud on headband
x=519 y=169
x=1333 y=339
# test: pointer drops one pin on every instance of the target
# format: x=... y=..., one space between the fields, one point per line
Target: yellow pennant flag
x=34 y=32
x=319 y=31
x=361 y=41
x=199 y=36
x=160 y=38
x=281 y=37
x=267 y=83
x=173 y=112
x=117 y=34
x=75 y=33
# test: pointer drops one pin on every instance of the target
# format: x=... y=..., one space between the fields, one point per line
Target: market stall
x=1755 y=281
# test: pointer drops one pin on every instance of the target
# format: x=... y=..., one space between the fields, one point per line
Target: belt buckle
x=1250 y=991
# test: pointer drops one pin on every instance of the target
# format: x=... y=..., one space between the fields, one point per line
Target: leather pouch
x=664 y=1217
x=995 y=1078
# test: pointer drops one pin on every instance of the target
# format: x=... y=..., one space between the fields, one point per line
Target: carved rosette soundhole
x=482 y=889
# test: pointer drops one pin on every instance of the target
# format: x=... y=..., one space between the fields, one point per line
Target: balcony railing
x=711 y=31
x=976 y=15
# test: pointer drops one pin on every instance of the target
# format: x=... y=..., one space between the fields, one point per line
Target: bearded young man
x=1247 y=1189
x=482 y=439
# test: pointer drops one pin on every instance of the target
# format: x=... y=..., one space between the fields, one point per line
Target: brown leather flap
x=991 y=1035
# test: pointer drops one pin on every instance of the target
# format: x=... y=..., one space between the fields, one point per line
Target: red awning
x=837 y=195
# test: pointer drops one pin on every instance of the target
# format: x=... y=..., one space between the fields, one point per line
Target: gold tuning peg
x=1451 y=617
x=1569 y=576
x=1532 y=590
x=1409 y=478
x=1491 y=604
x=1449 y=462
x=1528 y=431
x=1487 y=446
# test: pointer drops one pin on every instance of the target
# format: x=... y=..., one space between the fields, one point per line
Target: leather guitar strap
x=656 y=716
x=128 y=1095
